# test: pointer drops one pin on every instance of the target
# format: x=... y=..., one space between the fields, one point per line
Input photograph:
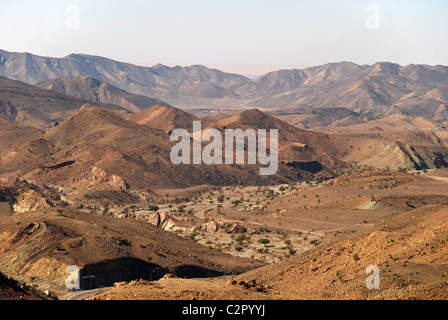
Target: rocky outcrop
x=30 y=200
x=236 y=228
x=162 y=220
x=23 y=196
x=211 y=226
x=97 y=176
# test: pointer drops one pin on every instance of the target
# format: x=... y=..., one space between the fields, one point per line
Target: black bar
x=228 y=309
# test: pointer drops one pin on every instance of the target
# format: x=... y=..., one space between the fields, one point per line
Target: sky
x=248 y=37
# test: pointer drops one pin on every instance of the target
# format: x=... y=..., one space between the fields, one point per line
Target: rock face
x=96 y=176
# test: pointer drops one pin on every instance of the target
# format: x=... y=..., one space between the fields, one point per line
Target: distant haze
x=246 y=37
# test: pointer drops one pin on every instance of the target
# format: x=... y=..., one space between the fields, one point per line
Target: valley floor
x=402 y=230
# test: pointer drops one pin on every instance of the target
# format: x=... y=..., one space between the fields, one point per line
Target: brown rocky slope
x=39 y=245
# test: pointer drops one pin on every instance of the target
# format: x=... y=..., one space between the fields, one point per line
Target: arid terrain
x=403 y=232
x=86 y=180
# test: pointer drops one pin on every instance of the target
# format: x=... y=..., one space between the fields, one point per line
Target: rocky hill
x=94 y=148
x=163 y=118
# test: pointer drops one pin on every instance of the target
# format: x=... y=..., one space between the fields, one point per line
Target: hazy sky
x=244 y=36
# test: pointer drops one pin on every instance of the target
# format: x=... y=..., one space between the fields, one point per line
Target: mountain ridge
x=92 y=89
x=40 y=108
x=365 y=88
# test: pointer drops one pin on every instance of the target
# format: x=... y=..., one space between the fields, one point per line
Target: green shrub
x=192 y=236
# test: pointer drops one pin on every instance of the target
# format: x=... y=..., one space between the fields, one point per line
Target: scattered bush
x=241 y=238
x=192 y=236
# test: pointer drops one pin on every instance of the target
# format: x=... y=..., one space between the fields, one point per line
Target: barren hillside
x=11 y=289
x=163 y=118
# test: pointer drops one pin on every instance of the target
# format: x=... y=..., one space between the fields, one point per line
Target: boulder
x=236 y=228
x=211 y=226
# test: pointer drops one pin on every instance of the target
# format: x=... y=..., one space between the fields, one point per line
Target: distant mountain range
x=376 y=90
x=98 y=91
x=157 y=81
